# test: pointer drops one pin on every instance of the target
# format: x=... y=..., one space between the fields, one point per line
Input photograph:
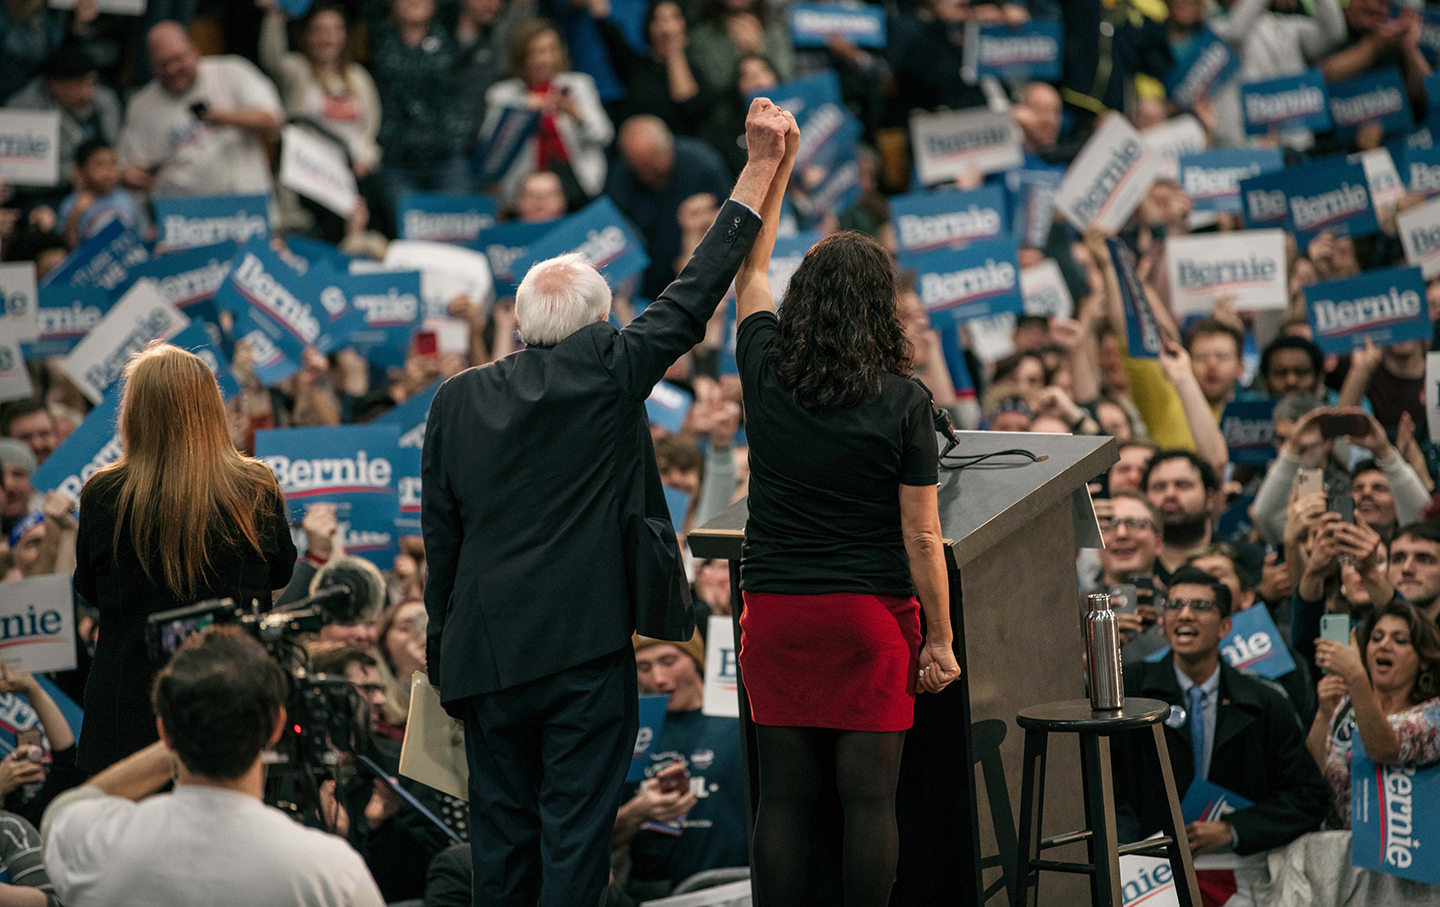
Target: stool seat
x=1075 y=715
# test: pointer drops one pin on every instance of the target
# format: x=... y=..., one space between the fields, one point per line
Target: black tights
x=800 y=770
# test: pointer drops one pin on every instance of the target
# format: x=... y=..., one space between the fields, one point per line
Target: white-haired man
x=548 y=543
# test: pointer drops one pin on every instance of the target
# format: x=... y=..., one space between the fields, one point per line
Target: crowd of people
x=650 y=111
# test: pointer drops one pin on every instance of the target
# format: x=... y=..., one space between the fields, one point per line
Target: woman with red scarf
x=573 y=131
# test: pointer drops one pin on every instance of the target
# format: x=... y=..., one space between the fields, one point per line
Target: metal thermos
x=1102 y=644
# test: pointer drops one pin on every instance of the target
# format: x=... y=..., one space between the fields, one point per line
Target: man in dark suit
x=1240 y=734
x=548 y=543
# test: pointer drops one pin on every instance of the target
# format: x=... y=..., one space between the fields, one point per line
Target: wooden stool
x=1095 y=728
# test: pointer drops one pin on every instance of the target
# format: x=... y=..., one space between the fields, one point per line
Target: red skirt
x=841 y=660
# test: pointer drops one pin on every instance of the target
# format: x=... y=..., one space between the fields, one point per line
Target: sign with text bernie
x=1207 y=65
x=1027 y=52
x=184 y=223
x=812 y=24
x=1329 y=195
x=958 y=284
x=1288 y=103
x=1248 y=266
x=349 y=466
x=1212 y=178
x=1376 y=97
x=926 y=221
x=600 y=233
x=1391 y=817
x=1108 y=179
x=440 y=217
x=1386 y=306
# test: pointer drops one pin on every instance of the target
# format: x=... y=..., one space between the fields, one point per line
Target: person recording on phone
x=1133 y=533
x=180 y=518
x=1321 y=438
x=219 y=703
x=842 y=551
x=28 y=782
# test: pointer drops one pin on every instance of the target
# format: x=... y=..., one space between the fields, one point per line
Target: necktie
x=1196 y=698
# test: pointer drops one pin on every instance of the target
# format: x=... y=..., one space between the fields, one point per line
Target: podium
x=1011 y=527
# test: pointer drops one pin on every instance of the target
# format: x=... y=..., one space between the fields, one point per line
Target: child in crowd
x=98 y=198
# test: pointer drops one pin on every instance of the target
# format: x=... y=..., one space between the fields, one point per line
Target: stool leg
x=1032 y=797
x=1182 y=865
x=1102 y=844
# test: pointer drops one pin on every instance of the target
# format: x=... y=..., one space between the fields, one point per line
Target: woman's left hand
x=938 y=667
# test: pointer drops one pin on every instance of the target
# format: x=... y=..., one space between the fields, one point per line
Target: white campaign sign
x=1385 y=186
x=18 y=309
x=949 y=145
x=1248 y=265
x=37 y=624
x=722 y=698
x=446 y=271
x=992 y=337
x=316 y=168
x=30 y=147
x=118 y=7
x=1108 y=179
x=1420 y=236
x=141 y=315
x=1172 y=138
x=1045 y=291
x=14 y=377
x=1431 y=398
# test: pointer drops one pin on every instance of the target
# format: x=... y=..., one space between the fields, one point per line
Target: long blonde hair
x=184 y=486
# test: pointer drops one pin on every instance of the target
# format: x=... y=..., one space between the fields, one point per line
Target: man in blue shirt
x=675 y=829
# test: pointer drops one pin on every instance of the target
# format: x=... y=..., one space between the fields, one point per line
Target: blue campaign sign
x=1430 y=37
x=812 y=24
x=1142 y=330
x=1249 y=430
x=1329 y=195
x=1206 y=66
x=410 y=417
x=667 y=406
x=600 y=233
x=1020 y=53
x=1262 y=201
x=1236 y=517
x=1212 y=178
x=500 y=148
x=184 y=223
x=389 y=303
x=678 y=503
x=1254 y=644
x=926 y=221
x=729 y=338
x=103 y=260
x=958 y=284
x=1387 y=306
x=1032 y=204
x=349 y=466
x=1421 y=170
x=63 y=315
x=439 y=217
x=1206 y=801
x=93 y=445
x=1387 y=830
x=273 y=314
x=1286 y=103
x=339 y=320
x=840 y=187
x=503 y=246
x=1378 y=97
x=187 y=279
x=789 y=252
x=197 y=340
x=652 y=722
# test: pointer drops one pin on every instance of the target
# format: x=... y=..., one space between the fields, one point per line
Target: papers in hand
x=434 y=749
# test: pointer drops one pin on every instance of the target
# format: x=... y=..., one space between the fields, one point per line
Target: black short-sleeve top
x=825 y=486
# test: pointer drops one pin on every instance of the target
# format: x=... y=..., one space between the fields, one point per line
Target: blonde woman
x=180 y=518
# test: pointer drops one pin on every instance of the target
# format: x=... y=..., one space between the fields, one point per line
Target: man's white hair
x=558 y=297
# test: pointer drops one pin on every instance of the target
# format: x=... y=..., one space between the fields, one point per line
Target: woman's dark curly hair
x=839 y=328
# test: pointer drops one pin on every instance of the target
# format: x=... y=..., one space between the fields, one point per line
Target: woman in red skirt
x=843 y=536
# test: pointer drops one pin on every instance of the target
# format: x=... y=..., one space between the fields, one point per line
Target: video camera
x=326 y=717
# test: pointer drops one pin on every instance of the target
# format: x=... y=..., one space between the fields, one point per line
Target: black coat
x=546 y=532
x=1259 y=753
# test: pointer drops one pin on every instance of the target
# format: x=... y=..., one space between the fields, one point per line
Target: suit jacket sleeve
x=443 y=531
x=1299 y=798
x=676 y=321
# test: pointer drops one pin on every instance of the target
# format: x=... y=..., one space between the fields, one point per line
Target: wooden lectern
x=1011 y=528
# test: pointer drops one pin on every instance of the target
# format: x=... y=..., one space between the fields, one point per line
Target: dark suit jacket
x=538 y=477
x=1259 y=753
